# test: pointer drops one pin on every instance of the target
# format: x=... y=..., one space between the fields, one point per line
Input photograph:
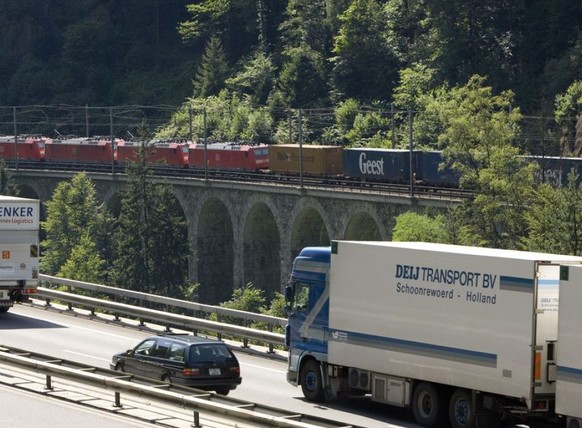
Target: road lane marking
x=261 y=367
x=86 y=355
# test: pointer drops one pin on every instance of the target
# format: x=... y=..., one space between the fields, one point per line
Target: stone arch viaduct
x=248 y=232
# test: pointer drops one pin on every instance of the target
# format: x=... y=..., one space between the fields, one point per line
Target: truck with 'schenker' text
x=463 y=336
x=19 y=249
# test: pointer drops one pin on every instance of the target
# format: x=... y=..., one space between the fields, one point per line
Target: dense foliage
x=291 y=53
x=7 y=184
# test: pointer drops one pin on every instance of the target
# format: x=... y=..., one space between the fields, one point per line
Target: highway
x=25 y=410
x=77 y=338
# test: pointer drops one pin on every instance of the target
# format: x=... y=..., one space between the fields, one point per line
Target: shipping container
x=317 y=160
x=384 y=165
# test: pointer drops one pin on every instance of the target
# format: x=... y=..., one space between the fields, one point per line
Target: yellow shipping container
x=317 y=160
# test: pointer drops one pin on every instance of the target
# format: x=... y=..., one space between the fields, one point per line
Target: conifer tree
x=7 y=185
x=151 y=241
x=74 y=218
x=213 y=71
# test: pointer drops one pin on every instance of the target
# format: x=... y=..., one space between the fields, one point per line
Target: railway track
x=139 y=397
x=333 y=184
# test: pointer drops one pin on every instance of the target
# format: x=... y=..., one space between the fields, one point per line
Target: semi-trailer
x=569 y=348
x=467 y=334
x=19 y=249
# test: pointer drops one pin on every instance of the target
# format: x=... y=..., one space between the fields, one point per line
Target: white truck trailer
x=19 y=249
x=569 y=351
x=455 y=332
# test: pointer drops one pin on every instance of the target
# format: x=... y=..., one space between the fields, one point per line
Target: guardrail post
x=219 y=319
x=69 y=290
x=49 y=383
x=245 y=339
x=117 y=402
x=271 y=347
x=196 y=423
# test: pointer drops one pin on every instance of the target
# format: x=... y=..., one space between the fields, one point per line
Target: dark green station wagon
x=182 y=359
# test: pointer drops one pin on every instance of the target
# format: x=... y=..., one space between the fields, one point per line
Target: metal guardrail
x=230 y=408
x=165 y=317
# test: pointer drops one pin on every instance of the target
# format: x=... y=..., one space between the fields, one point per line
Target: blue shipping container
x=387 y=165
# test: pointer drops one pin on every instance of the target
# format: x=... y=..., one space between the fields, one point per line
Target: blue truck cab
x=307 y=296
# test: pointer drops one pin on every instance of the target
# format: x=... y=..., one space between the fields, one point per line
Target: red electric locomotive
x=170 y=153
x=30 y=149
x=96 y=150
x=230 y=156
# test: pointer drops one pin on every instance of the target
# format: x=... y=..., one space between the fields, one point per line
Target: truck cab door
x=310 y=317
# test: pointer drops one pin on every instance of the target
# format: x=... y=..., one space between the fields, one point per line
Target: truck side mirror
x=289 y=293
x=287 y=310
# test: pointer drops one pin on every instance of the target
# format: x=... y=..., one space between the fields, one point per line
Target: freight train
x=105 y=151
x=363 y=165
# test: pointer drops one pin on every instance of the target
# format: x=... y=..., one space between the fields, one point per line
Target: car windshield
x=145 y=347
x=209 y=352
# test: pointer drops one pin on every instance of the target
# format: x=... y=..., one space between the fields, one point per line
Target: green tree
x=247 y=298
x=410 y=31
x=477 y=132
x=412 y=95
x=229 y=117
x=73 y=212
x=302 y=81
x=213 y=70
x=170 y=248
x=370 y=129
x=307 y=24
x=476 y=37
x=255 y=79
x=555 y=219
x=84 y=262
x=151 y=242
x=364 y=65
x=568 y=108
x=411 y=226
x=8 y=186
x=242 y=25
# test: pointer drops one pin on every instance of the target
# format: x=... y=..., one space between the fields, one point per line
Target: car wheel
x=311 y=382
x=427 y=407
x=166 y=378
x=223 y=390
x=119 y=367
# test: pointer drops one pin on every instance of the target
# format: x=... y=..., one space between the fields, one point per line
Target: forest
x=284 y=53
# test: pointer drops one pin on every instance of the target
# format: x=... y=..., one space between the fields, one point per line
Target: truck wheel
x=311 y=382
x=427 y=405
x=3 y=310
x=461 y=412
